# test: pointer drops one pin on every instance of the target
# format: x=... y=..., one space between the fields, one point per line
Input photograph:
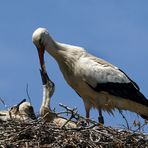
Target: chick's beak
x=41 y=57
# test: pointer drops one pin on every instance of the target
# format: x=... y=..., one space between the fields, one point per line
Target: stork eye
x=11 y=108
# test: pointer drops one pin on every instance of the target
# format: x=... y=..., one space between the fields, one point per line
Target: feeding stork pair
x=100 y=84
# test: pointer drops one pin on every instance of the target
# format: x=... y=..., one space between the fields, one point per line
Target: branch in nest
x=3 y=102
x=27 y=92
x=74 y=115
x=127 y=125
x=140 y=126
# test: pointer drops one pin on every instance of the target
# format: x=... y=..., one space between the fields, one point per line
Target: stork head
x=41 y=38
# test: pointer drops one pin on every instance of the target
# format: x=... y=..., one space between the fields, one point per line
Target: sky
x=116 y=31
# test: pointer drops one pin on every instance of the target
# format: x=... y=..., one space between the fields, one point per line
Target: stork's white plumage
x=99 y=83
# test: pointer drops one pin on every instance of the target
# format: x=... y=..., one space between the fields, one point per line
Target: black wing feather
x=124 y=90
x=135 y=84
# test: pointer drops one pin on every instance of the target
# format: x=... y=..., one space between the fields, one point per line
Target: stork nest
x=42 y=134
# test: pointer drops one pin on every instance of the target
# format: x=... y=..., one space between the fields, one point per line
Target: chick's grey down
x=99 y=83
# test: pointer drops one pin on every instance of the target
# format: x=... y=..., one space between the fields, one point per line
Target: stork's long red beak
x=41 y=58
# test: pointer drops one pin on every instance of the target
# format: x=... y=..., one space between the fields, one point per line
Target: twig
x=124 y=119
x=28 y=94
x=3 y=102
x=67 y=121
x=142 y=126
x=75 y=115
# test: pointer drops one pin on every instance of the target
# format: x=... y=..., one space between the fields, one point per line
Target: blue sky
x=116 y=31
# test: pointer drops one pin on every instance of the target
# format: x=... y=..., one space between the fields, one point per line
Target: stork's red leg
x=87 y=115
x=87 y=109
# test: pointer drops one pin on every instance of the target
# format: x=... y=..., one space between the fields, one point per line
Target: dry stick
x=124 y=119
x=142 y=126
x=67 y=121
x=75 y=114
x=64 y=112
x=69 y=111
x=28 y=94
x=3 y=102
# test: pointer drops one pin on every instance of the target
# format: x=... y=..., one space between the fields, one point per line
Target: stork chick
x=22 y=111
x=45 y=110
x=100 y=84
x=48 y=90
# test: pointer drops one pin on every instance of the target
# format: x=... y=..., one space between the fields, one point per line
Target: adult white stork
x=100 y=84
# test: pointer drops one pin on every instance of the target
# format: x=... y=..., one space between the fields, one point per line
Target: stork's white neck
x=62 y=51
x=46 y=97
